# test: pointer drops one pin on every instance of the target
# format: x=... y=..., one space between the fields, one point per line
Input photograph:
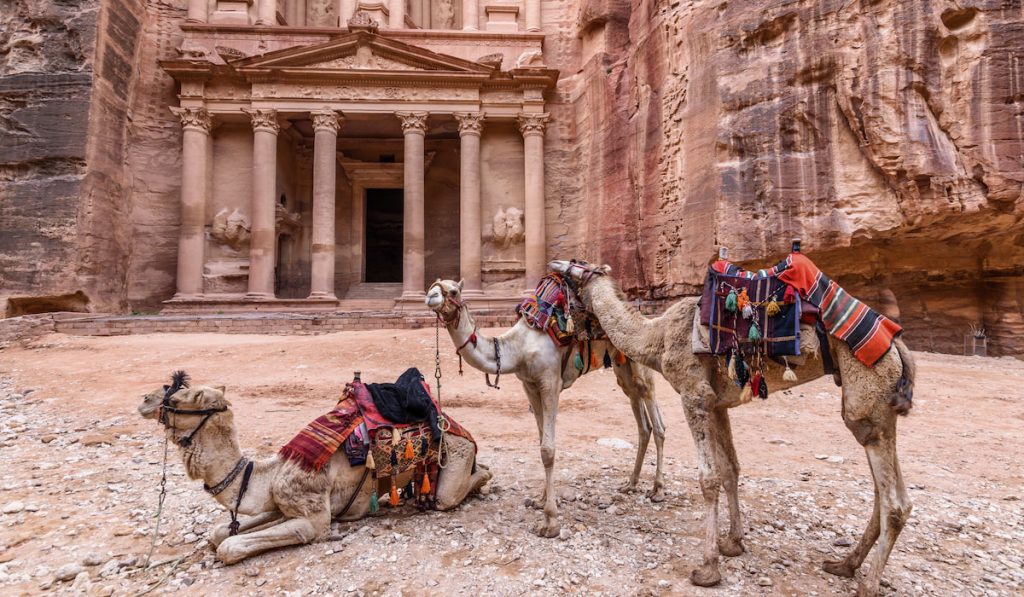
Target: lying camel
x=872 y=398
x=285 y=504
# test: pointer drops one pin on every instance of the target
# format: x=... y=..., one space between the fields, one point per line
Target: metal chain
x=442 y=421
x=160 y=500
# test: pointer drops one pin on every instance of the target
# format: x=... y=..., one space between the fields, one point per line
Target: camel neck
x=632 y=333
x=481 y=354
x=212 y=457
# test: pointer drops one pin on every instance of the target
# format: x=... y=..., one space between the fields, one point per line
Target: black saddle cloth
x=406 y=401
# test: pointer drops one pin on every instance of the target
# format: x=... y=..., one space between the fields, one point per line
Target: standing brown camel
x=870 y=403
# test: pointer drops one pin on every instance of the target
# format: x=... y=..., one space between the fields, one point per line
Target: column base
x=180 y=296
x=410 y=295
x=327 y=296
x=264 y=296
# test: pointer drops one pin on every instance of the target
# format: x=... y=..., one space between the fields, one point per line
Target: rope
x=160 y=500
x=442 y=421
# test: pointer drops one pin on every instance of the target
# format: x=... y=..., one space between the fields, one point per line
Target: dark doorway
x=384 y=209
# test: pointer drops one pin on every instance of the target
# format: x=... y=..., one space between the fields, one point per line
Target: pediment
x=359 y=51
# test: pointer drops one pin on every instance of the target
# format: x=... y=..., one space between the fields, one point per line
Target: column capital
x=263 y=120
x=413 y=122
x=327 y=120
x=532 y=124
x=470 y=123
x=194 y=118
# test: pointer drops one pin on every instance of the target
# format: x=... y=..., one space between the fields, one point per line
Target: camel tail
x=903 y=398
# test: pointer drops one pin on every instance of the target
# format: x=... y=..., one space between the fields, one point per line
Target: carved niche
x=508 y=227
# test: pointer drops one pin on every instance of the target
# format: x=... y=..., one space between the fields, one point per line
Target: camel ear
x=222 y=389
x=605 y=269
x=460 y=285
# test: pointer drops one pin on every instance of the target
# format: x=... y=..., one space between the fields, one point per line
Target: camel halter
x=455 y=319
x=589 y=271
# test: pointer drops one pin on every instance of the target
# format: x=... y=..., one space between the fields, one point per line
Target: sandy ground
x=80 y=474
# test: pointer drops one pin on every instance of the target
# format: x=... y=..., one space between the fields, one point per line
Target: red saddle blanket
x=313 y=447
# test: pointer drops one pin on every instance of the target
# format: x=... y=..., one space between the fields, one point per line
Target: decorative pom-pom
x=374 y=504
x=762 y=388
x=772 y=309
x=394 y=495
x=570 y=327
x=755 y=334
x=730 y=302
x=425 y=488
x=731 y=366
x=742 y=300
x=789 y=374
x=593 y=360
x=748 y=311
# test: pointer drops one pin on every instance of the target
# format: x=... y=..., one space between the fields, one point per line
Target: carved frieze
x=365 y=59
x=263 y=120
x=413 y=121
x=370 y=93
x=470 y=123
x=533 y=124
x=194 y=118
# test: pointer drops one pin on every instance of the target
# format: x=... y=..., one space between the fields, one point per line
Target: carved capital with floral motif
x=327 y=120
x=263 y=120
x=197 y=119
x=413 y=122
x=470 y=123
x=532 y=124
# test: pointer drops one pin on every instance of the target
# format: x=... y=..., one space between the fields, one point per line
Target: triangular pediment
x=358 y=51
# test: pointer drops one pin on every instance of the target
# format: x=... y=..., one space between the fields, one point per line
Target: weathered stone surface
x=887 y=135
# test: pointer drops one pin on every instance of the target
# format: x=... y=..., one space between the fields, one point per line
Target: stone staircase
x=370 y=296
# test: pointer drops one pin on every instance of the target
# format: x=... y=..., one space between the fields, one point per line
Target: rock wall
x=63 y=200
x=888 y=135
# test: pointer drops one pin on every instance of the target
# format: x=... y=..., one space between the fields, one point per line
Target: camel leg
x=457 y=479
x=894 y=507
x=703 y=429
x=654 y=414
x=246 y=524
x=551 y=526
x=648 y=420
x=643 y=432
x=291 y=531
x=849 y=565
x=537 y=408
x=732 y=544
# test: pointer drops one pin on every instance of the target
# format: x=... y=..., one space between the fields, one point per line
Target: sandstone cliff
x=888 y=135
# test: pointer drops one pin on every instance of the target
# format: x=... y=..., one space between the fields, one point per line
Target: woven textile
x=729 y=330
x=868 y=333
x=314 y=446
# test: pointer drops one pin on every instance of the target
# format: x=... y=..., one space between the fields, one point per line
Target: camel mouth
x=148 y=411
x=434 y=300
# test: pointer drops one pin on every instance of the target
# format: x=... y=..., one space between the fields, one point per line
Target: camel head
x=444 y=297
x=182 y=409
x=578 y=272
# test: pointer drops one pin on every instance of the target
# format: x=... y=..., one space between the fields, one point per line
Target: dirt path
x=80 y=473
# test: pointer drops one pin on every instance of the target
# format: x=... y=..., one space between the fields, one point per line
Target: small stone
x=68 y=572
x=105 y=591
x=564 y=534
x=260 y=582
x=780 y=442
x=49 y=437
x=13 y=507
x=614 y=442
x=93 y=559
x=836 y=459
x=95 y=439
x=612 y=509
x=31 y=507
x=664 y=584
x=843 y=542
x=253 y=571
x=764 y=581
x=821 y=456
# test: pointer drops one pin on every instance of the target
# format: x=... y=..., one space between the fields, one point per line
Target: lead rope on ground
x=160 y=503
x=442 y=420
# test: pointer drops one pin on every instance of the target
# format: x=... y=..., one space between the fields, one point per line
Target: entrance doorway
x=384 y=213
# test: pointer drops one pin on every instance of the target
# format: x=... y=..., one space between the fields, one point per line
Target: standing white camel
x=872 y=397
x=545 y=369
x=283 y=503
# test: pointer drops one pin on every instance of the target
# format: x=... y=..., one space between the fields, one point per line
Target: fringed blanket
x=552 y=308
x=763 y=313
x=868 y=333
x=314 y=446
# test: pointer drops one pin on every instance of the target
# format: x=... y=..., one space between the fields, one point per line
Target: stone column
x=263 y=246
x=195 y=123
x=396 y=16
x=533 y=15
x=325 y=159
x=196 y=11
x=471 y=125
x=532 y=128
x=470 y=15
x=414 y=127
x=266 y=12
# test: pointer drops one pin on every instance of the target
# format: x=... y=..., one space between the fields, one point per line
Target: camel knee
x=709 y=485
x=899 y=515
x=547 y=456
x=864 y=430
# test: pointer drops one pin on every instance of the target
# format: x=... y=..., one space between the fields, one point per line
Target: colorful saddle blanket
x=354 y=423
x=552 y=308
x=868 y=333
x=748 y=322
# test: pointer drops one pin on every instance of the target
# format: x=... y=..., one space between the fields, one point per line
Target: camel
x=545 y=369
x=285 y=504
x=870 y=403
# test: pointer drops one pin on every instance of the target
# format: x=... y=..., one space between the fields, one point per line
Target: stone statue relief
x=444 y=15
x=232 y=230
x=508 y=227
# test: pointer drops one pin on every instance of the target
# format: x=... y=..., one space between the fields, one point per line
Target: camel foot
x=706 y=576
x=838 y=568
x=230 y=552
x=547 y=531
x=864 y=591
x=656 y=495
x=628 y=487
x=727 y=546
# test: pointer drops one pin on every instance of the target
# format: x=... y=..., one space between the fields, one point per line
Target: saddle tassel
x=409 y=451
x=425 y=488
x=789 y=374
x=394 y=493
x=374 y=504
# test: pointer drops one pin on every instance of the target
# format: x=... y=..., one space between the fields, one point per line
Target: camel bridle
x=167 y=407
x=588 y=270
x=449 y=301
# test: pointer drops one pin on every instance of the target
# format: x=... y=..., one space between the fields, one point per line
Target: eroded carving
x=327 y=120
x=533 y=124
x=530 y=59
x=470 y=123
x=492 y=60
x=362 y=21
x=231 y=229
x=263 y=120
x=508 y=227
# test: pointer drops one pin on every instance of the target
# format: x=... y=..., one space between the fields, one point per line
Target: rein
x=497 y=376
